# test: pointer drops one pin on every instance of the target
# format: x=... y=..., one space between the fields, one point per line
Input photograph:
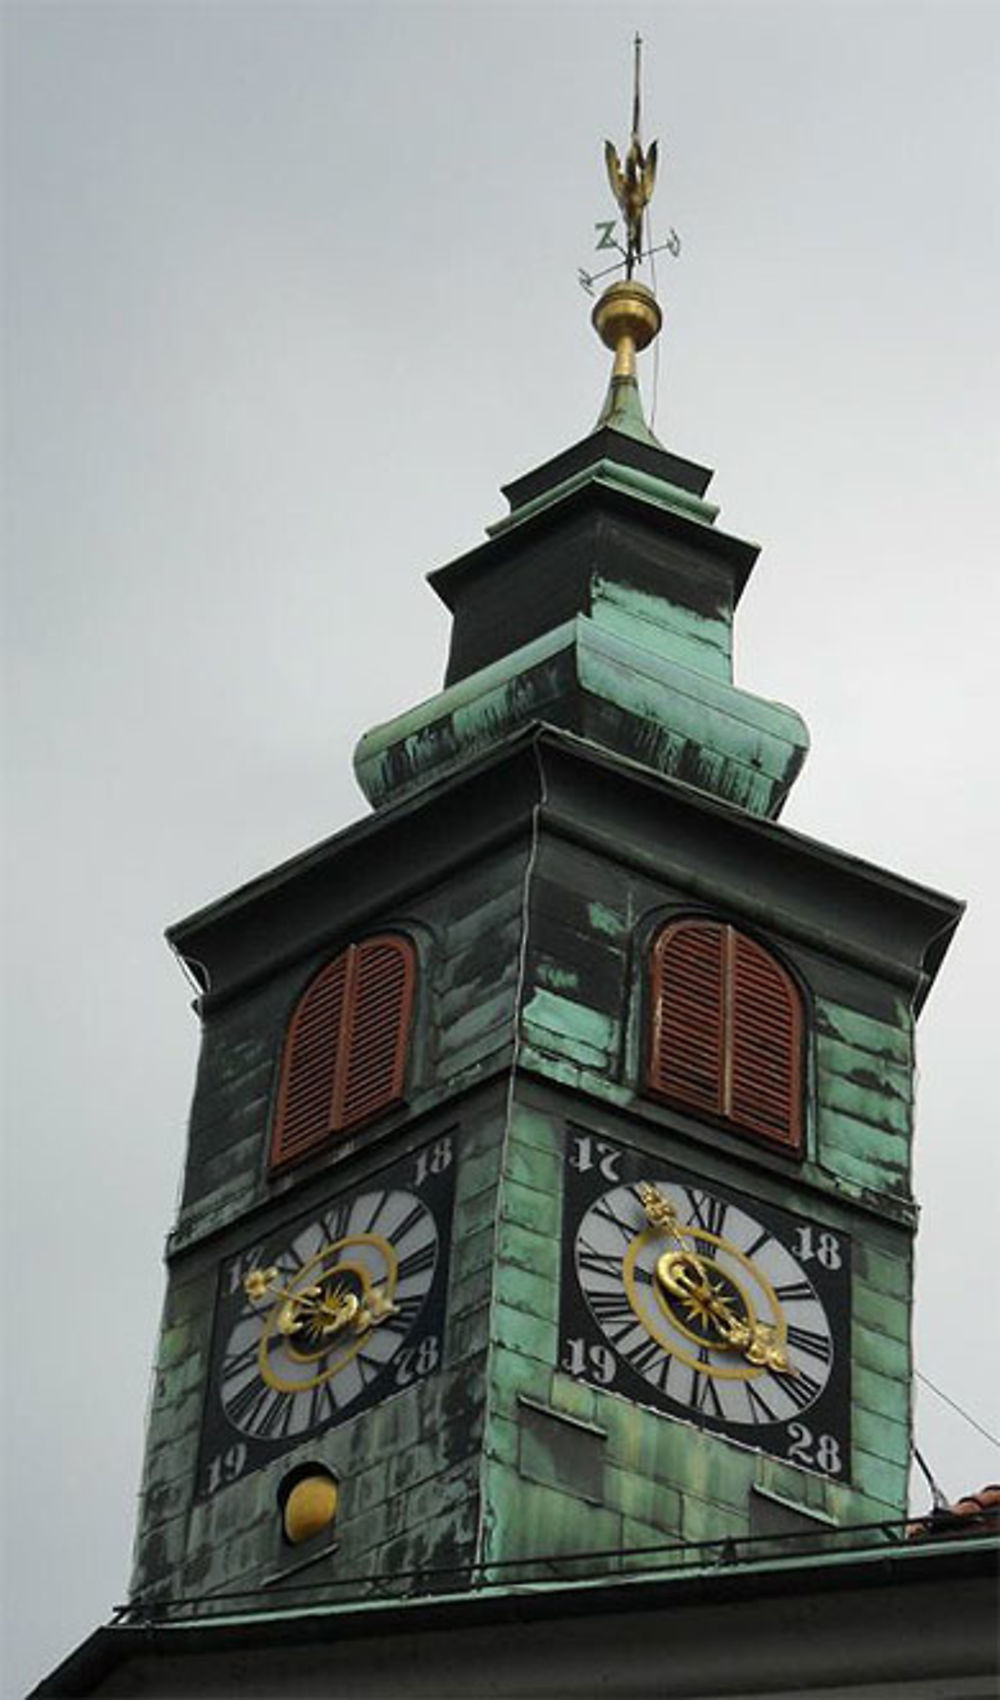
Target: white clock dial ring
x=750 y=1323
x=329 y=1314
x=333 y=1274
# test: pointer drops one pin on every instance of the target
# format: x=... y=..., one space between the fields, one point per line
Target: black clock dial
x=706 y=1304
x=341 y=1308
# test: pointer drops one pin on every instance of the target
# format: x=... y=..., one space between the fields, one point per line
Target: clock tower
x=546 y=1217
x=546 y=1207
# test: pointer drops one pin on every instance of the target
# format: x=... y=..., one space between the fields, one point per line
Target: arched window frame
x=729 y=1047
x=344 y=1058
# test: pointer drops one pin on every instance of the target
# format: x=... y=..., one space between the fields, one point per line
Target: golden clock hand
x=374 y=1311
x=757 y=1342
x=262 y=1284
x=764 y=1349
x=304 y=1305
x=259 y=1282
x=335 y=1311
x=684 y=1273
x=329 y=1312
x=660 y=1212
x=661 y=1215
x=688 y=1277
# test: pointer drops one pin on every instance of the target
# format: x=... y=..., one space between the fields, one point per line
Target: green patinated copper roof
x=622 y=410
x=615 y=692
x=638 y=656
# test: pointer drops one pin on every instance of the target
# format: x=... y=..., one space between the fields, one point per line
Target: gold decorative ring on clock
x=743 y=1369
x=323 y=1311
x=344 y=1337
x=685 y=1283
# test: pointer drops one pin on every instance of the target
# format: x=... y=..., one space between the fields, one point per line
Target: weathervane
x=627 y=315
x=632 y=185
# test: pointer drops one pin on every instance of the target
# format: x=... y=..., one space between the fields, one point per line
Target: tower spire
x=627 y=316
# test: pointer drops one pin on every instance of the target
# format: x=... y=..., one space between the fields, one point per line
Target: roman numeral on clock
x=626 y=1228
x=322 y=1403
x=801 y=1388
x=817 y=1346
x=695 y=1392
x=335 y=1222
x=612 y=1310
x=417 y=1261
x=235 y=1363
x=272 y=1422
x=409 y=1221
x=380 y=1200
x=651 y=1362
x=707 y=1398
x=407 y=1310
x=708 y=1213
x=759 y=1406
x=250 y=1406
x=368 y=1368
x=598 y=1262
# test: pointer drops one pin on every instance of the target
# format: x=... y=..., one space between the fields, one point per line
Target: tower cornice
x=823 y=896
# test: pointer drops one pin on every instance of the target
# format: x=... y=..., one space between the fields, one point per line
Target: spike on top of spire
x=632 y=184
x=627 y=317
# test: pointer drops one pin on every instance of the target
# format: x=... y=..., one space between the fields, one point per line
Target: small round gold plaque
x=310 y=1508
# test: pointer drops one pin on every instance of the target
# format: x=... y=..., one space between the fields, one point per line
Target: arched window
x=726 y=1031
x=345 y=1052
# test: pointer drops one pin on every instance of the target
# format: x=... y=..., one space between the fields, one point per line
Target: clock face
x=706 y=1304
x=340 y=1309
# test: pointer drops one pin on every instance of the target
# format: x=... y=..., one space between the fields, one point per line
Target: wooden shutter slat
x=376 y=1050
x=686 y=1050
x=765 y=1084
x=308 y=1079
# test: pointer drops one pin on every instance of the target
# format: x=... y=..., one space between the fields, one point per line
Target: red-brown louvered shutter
x=309 y=1072
x=686 y=1055
x=378 y=1020
x=765 y=1066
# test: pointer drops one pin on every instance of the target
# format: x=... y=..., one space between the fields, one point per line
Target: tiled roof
x=975 y=1514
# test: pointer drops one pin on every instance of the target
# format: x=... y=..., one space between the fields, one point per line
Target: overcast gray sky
x=289 y=290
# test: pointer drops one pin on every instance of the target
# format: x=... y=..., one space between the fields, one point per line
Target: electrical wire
x=939 y=1498
x=656 y=344
x=971 y=1420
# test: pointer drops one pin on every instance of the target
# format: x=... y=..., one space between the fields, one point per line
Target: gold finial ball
x=627 y=312
x=310 y=1508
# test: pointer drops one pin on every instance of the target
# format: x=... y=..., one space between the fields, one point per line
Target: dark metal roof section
x=880 y=1620
x=607 y=444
